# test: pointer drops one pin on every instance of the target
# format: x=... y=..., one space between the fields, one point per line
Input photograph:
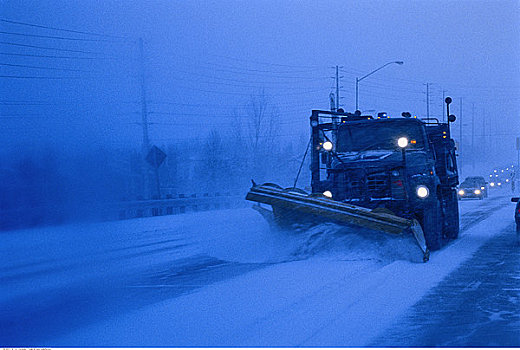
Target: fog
x=225 y=89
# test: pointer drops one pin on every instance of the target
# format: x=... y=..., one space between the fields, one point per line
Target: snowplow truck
x=396 y=175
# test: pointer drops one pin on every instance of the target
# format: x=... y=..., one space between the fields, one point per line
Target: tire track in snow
x=480 y=303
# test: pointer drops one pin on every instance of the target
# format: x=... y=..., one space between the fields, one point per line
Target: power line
x=303 y=79
x=232 y=106
x=210 y=116
x=54 y=103
x=57 y=37
x=48 y=56
x=454 y=85
x=49 y=48
x=19 y=115
x=25 y=103
x=249 y=94
x=242 y=69
x=256 y=73
x=391 y=88
x=44 y=78
x=60 y=29
x=203 y=139
x=267 y=63
x=359 y=72
x=46 y=68
x=227 y=84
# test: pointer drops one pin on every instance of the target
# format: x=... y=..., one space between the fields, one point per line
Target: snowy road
x=478 y=304
x=223 y=278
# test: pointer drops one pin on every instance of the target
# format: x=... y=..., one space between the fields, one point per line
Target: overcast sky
x=204 y=60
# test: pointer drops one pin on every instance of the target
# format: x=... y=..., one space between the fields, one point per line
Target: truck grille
x=358 y=185
x=378 y=185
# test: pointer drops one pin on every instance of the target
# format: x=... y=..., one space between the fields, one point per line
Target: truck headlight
x=422 y=191
x=477 y=191
x=327 y=194
x=327 y=146
x=461 y=192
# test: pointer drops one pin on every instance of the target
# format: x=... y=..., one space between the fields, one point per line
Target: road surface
x=223 y=278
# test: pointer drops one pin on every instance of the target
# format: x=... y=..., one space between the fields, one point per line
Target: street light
x=363 y=77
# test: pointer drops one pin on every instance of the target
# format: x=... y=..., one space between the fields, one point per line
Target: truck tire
x=451 y=230
x=432 y=227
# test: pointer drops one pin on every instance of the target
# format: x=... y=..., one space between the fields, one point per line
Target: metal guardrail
x=37 y=215
x=179 y=205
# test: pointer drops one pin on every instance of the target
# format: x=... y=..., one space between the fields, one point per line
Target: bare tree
x=261 y=125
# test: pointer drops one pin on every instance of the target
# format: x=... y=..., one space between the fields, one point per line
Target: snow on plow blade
x=297 y=201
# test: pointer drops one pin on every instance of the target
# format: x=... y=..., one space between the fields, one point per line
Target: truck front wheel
x=432 y=226
x=452 y=215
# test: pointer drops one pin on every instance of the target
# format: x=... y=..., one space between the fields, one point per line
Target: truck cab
x=401 y=165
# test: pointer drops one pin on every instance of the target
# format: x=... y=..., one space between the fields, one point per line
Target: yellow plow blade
x=295 y=200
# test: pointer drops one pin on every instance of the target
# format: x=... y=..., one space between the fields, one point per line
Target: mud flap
x=419 y=238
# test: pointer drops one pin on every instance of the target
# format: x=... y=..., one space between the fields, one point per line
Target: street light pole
x=357 y=92
x=365 y=76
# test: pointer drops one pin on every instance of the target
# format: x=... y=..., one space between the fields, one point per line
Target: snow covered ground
x=220 y=278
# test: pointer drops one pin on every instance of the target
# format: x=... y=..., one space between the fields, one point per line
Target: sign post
x=155 y=158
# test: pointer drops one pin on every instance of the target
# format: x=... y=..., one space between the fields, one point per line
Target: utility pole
x=473 y=155
x=484 y=149
x=337 y=87
x=460 y=136
x=144 y=121
x=332 y=102
x=427 y=100
x=444 y=111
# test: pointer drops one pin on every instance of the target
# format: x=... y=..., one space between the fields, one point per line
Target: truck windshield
x=356 y=137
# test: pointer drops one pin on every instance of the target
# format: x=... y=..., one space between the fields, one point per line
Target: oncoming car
x=473 y=187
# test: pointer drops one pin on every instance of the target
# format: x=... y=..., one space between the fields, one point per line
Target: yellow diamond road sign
x=155 y=157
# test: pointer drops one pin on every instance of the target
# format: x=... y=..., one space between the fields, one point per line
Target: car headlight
x=327 y=194
x=492 y=184
x=461 y=192
x=422 y=191
x=477 y=191
x=482 y=188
